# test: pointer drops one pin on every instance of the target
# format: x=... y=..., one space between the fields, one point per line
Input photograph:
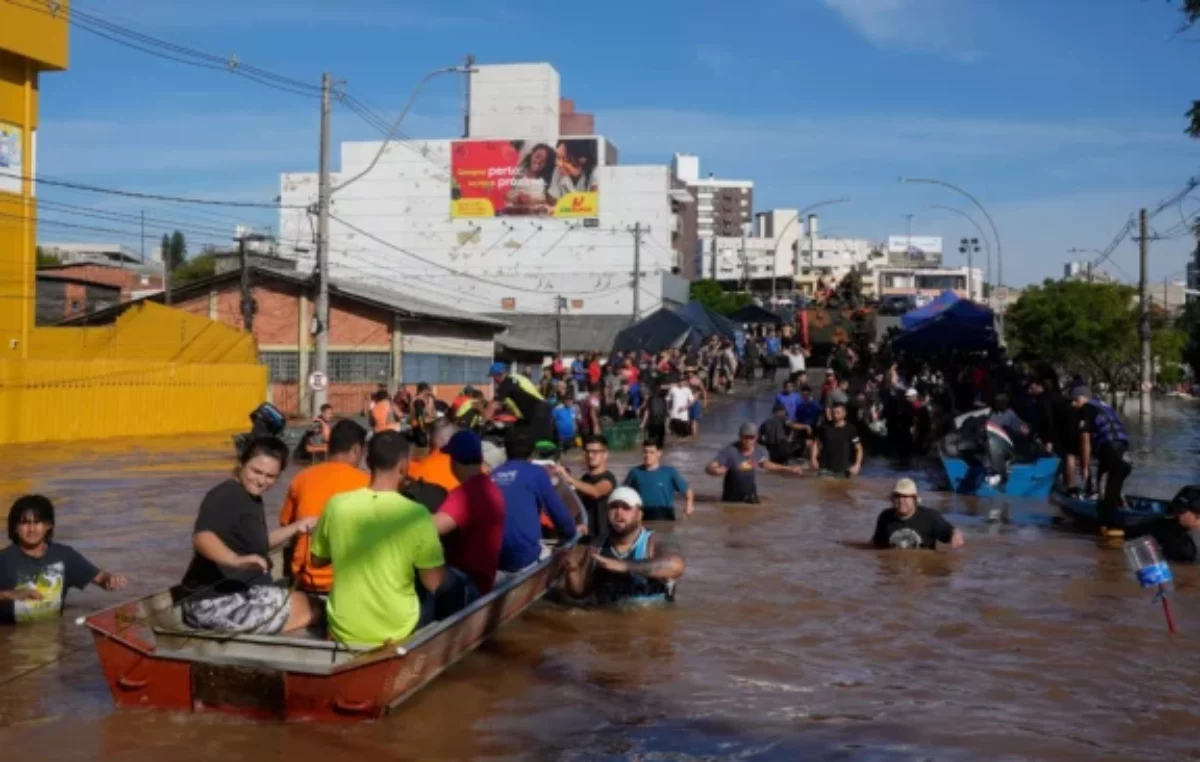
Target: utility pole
x=1144 y=312
x=247 y=297
x=470 y=65
x=560 y=304
x=166 y=264
x=637 y=270
x=143 y=236
x=321 y=357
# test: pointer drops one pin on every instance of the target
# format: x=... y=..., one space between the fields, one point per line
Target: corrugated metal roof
x=580 y=333
x=404 y=303
x=520 y=344
x=382 y=297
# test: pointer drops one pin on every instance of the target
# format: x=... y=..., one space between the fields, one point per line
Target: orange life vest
x=379 y=415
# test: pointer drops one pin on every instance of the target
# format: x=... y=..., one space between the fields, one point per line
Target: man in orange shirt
x=434 y=468
x=311 y=490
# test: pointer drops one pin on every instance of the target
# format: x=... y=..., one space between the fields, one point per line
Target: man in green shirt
x=379 y=543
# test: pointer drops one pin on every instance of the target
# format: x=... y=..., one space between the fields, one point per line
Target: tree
x=711 y=295
x=1089 y=328
x=45 y=259
x=196 y=268
x=178 y=250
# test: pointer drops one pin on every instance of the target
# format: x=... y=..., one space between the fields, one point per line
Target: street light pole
x=987 y=244
x=800 y=215
x=975 y=201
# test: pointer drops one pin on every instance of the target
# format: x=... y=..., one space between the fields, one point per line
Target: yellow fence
x=156 y=371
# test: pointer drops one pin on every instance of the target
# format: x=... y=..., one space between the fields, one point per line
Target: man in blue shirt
x=528 y=492
x=579 y=376
x=808 y=415
x=658 y=484
x=774 y=347
x=789 y=399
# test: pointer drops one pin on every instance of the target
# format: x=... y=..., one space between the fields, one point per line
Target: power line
x=45 y=180
x=170 y=51
x=452 y=270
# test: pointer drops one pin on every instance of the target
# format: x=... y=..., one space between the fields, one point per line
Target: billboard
x=11 y=170
x=915 y=247
x=524 y=178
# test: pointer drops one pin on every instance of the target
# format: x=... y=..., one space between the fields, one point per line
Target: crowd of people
x=377 y=553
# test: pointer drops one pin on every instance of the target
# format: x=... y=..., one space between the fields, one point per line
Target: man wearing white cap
x=632 y=563
x=907 y=525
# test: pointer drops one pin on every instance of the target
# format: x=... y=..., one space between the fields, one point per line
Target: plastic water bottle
x=1146 y=561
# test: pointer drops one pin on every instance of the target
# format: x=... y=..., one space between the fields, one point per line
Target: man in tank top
x=632 y=564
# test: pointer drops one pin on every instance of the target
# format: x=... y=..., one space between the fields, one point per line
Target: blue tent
x=954 y=323
x=686 y=327
x=914 y=318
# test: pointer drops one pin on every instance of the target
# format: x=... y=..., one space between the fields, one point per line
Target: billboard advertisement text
x=524 y=178
x=917 y=246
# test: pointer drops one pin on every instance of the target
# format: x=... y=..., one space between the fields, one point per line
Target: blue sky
x=1062 y=116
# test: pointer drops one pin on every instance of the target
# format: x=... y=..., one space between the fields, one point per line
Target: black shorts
x=681 y=428
x=658 y=513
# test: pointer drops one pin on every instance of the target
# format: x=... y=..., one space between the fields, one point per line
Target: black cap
x=1189 y=506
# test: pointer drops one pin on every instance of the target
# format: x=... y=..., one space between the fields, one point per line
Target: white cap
x=626 y=495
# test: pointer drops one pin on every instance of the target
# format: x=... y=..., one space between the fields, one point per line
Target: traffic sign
x=318 y=381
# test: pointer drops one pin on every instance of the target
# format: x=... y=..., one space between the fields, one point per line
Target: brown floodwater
x=789 y=640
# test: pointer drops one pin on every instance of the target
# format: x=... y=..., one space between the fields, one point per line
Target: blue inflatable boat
x=1137 y=510
x=1032 y=479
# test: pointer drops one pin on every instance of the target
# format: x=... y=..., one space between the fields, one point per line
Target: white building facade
x=402 y=225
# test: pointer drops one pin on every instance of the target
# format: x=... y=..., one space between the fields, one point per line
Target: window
x=360 y=367
x=444 y=369
x=282 y=367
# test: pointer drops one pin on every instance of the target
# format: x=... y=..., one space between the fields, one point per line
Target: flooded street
x=788 y=641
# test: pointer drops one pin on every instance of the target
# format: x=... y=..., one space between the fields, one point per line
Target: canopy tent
x=753 y=314
x=956 y=324
x=914 y=318
x=687 y=326
x=708 y=321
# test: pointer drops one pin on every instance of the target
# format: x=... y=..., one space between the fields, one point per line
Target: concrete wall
x=515 y=101
x=405 y=202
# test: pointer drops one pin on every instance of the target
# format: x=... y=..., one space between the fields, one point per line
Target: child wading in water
x=35 y=571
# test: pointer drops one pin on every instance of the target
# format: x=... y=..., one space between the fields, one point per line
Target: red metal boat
x=150 y=659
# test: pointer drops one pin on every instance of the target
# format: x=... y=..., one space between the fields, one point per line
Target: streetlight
x=969 y=246
x=987 y=244
x=796 y=257
x=975 y=201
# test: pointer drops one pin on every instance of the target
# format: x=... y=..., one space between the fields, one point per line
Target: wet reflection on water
x=790 y=639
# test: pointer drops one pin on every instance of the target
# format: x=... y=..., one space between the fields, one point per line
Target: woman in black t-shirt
x=228 y=586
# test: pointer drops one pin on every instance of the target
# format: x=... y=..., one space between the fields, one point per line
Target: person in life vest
x=1101 y=432
x=316 y=439
x=633 y=564
x=421 y=415
x=382 y=412
x=519 y=395
x=469 y=412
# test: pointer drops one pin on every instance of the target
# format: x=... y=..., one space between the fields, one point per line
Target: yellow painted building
x=156 y=371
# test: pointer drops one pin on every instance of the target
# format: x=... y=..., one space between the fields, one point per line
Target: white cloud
x=842 y=139
x=929 y=26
